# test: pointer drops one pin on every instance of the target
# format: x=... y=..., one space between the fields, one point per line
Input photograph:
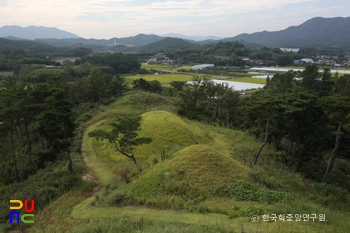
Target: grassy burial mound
x=184 y=161
x=168 y=130
x=197 y=170
x=165 y=129
x=169 y=133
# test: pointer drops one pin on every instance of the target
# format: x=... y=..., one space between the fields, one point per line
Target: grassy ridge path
x=84 y=210
x=105 y=176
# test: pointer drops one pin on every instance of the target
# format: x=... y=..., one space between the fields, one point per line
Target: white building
x=290 y=50
x=202 y=66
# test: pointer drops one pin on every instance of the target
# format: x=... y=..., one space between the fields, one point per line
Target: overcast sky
x=120 y=18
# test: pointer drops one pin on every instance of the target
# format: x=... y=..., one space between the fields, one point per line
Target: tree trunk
x=266 y=137
x=43 y=146
x=133 y=159
x=28 y=139
x=291 y=139
x=334 y=152
x=70 y=163
x=130 y=157
x=123 y=153
x=21 y=131
x=14 y=154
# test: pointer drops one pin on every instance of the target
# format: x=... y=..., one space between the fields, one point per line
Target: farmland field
x=6 y=73
x=163 y=67
x=163 y=78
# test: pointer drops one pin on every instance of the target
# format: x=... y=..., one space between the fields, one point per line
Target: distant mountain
x=95 y=44
x=168 y=43
x=316 y=32
x=138 y=40
x=75 y=42
x=43 y=49
x=26 y=45
x=34 y=32
x=194 y=38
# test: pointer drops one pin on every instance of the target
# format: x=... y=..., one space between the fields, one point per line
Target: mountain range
x=317 y=32
x=194 y=38
x=34 y=32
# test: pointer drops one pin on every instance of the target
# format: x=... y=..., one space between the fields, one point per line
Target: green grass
x=249 y=80
x=164 y=67
x=184 y=169
x=198 y=170
x=92 y=161
x=163 y=78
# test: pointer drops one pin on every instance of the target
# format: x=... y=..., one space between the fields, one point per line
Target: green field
x=163 y=67
x=248 y=80
x=164 y=79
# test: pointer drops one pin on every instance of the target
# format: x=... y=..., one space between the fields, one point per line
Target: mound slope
x=194 y=170
x=167 y=130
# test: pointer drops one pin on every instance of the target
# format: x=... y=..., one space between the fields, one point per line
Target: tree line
x=230 y=53
x=305 y=116
x=38 y=119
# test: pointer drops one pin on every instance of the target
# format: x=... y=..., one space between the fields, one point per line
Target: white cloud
x=81 y=16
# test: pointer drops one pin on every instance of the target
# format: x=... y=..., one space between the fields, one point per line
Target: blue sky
x=120 y=18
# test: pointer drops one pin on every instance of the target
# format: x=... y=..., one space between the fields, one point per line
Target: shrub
x=203 y=209
x=252 y=210
x=125 y=175
x=46 y=194
x=246 y=191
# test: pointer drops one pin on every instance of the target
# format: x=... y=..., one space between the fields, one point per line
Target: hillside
x=34 y=32
x=192 y=177
x=128 y=42
x=322 y=32
x=168 y=43
x=26 y=45
x=193 y=38
x=139 y=40
x=41 y=48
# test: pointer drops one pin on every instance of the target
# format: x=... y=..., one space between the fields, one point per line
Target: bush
x=203 y=209
x=252 y=210
x=47 y=194
x=246 y=191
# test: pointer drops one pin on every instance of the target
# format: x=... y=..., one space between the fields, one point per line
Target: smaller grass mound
x=194 y=171
x=166 y=131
